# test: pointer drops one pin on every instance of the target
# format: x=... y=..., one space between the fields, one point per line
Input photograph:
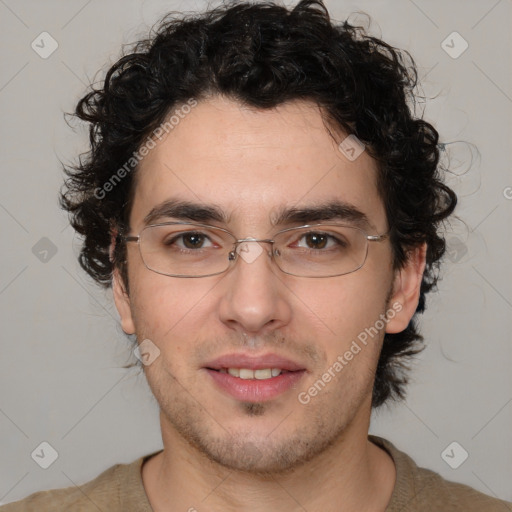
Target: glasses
x=179 y=249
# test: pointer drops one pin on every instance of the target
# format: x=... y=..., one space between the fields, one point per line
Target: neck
x=351 y=475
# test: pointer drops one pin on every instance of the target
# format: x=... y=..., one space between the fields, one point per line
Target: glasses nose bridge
x=238 y=241
x=250 y=239
x=259 y=240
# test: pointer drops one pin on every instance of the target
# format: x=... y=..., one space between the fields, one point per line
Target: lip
x=254 y=390
x=254 y=362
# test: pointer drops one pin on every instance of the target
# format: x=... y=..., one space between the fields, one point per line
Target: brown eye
x=190 y=240
x=193 y=240
x=316 y=240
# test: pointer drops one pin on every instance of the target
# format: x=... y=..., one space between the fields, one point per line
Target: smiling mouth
x=250 y=374
x=254 y=385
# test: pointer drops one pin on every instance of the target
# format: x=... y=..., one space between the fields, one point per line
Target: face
x=251 y=165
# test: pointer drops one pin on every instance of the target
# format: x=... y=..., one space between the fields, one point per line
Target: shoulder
x=87 y=496
x=419 y=489
x=111 y=490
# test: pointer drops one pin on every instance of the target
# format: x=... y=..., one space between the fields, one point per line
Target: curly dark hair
x=263 y=55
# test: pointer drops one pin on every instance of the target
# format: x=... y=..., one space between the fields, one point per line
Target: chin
x=244 y=452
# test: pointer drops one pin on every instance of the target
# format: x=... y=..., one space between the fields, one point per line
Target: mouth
x=254 y=379
x=249 y=374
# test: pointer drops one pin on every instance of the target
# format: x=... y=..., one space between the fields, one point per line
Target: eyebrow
x=333 y=210
x=185 y=210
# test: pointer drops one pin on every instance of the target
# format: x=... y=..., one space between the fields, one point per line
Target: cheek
x=349 y=329
x=161 y=303
x=345 y=304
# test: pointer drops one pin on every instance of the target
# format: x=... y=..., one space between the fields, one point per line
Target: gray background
x=62 y=348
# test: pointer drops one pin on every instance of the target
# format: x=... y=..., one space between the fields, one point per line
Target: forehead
x=252 y=165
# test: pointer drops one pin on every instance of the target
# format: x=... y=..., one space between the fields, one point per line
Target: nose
x=254 y=297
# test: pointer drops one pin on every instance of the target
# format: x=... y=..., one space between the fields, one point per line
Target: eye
x=190 y=240
x=319 y=240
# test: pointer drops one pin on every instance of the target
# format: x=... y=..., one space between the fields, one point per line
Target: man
x=266 y=209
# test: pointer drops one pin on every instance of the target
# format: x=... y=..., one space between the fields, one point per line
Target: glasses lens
x=321 y=250
x=189 y=250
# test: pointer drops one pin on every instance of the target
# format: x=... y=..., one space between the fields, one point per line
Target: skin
x=220 y=453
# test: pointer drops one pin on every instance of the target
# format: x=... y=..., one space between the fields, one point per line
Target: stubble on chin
x=254 y=408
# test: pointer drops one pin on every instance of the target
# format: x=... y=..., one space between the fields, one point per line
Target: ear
x=406 y=290
x=121 y=297
x=122 y=301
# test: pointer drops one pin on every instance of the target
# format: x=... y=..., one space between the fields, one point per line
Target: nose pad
x=248 y=251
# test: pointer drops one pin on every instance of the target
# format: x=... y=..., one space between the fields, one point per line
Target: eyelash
x=318 y=233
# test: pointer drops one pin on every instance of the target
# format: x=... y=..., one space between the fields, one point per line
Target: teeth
x=247 y=373
x=263 y=374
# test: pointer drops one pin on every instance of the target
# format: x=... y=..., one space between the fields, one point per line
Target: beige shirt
x=120 y=489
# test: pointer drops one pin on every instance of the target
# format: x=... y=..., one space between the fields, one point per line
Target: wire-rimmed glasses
x=182 y=249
